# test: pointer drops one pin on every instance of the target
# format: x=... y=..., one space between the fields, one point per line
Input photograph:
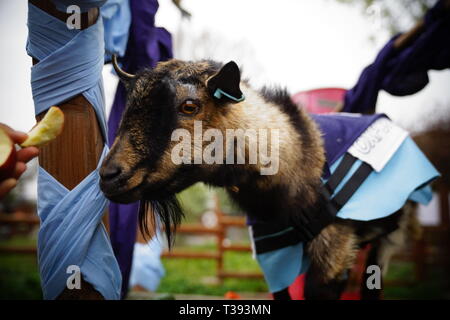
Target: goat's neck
x=301 y=160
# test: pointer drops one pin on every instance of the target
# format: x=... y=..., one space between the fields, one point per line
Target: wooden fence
x=20 y=221
x=224 y=222
x=431 y=250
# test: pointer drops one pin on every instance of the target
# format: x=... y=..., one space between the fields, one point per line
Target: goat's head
x=173 y=95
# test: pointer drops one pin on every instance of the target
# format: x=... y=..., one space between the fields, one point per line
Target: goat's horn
x=122 y=74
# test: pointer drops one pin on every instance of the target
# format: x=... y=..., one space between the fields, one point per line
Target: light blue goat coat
x=405 y=175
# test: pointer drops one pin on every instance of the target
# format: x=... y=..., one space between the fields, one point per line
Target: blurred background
x=302 y=45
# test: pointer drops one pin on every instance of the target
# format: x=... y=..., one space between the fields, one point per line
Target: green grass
x=19 y=278
x=432 y=288
x=191 y=276
x=194 y=201
x=18 y=241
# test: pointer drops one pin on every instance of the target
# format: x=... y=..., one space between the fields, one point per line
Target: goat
x=173 y=96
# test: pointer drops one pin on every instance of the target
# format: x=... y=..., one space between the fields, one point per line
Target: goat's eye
x=189 y=107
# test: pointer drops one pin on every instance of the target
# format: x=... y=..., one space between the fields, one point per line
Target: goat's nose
x=110 y=171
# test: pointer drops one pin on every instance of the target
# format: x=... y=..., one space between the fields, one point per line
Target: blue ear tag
x=218 y=94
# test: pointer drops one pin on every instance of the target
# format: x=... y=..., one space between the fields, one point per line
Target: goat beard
x=169 y=214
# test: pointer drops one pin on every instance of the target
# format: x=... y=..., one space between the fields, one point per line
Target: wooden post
x=76 y=152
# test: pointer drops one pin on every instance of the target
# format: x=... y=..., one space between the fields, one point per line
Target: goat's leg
x=317 y=288
x=282 y=295
x=380 y=255
x=386 y=246
x=332 y=254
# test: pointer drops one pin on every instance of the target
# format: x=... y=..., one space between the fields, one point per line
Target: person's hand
x=23 y=156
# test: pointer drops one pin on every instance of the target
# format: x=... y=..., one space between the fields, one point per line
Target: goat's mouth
x=122 y=192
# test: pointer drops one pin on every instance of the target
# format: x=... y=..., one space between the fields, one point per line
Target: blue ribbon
x=219 y=93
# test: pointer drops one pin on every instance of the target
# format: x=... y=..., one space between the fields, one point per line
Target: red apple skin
x=7 y=168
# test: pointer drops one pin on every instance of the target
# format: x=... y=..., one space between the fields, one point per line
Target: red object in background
x=231 y=295
x=320 y=101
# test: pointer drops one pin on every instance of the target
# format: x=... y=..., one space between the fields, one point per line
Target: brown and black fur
x=138 y=166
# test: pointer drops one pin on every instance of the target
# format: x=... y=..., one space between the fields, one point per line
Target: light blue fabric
x=385 y=192
x=422 y=195
x=147 y=268
x=56 y=78
x=116 y=22
x=405 y=176
x=71 y=233
x=281 y=267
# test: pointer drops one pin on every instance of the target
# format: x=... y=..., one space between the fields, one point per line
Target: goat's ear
x=225 y=83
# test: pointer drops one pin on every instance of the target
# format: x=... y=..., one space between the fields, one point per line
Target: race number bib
x=378 y=143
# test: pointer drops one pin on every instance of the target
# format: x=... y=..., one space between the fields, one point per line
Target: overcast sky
x=298 y=44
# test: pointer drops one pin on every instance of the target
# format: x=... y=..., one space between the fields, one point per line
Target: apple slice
x=7 y=155
x=47 y=129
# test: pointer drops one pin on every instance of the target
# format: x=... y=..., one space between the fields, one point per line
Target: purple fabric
x=339 y=131
x=404 y=72
x=146 y=46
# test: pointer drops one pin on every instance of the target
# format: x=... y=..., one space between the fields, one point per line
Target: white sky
x=301 y=44
x=296 y=43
